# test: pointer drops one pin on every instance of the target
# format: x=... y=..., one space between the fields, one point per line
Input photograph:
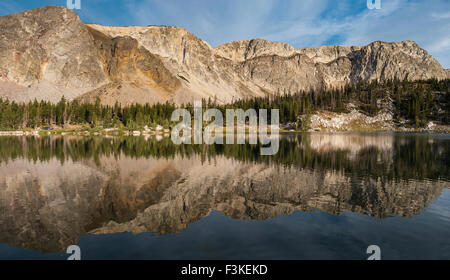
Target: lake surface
x=322 y=196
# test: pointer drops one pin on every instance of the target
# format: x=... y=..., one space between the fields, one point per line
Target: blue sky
x=301 y=23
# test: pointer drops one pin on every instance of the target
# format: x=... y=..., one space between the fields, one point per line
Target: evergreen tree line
x=416 y=101
x=37 y=114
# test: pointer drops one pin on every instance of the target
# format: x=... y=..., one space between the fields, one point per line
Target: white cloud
x=441 y=15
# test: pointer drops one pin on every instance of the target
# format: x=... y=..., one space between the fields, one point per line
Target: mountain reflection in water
x=55 y=189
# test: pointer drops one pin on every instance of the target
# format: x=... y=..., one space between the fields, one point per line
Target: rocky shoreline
x=288 y=128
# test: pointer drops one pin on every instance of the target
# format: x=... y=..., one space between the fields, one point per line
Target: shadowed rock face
x=131 y=68
x=47 y=205
x=48 y=52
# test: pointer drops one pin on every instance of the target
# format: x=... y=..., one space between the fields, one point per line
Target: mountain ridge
x=49 y=52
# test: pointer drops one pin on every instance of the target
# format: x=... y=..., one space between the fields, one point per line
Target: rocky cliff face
x=46 y=53
x=240 y=51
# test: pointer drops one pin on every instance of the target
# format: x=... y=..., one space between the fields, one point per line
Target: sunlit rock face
x=47 y=203
x=45 y=53
x=48 y=52
x=201 y=73
x=240 y=51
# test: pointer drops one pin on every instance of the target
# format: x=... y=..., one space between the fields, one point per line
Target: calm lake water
x=322 y=196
